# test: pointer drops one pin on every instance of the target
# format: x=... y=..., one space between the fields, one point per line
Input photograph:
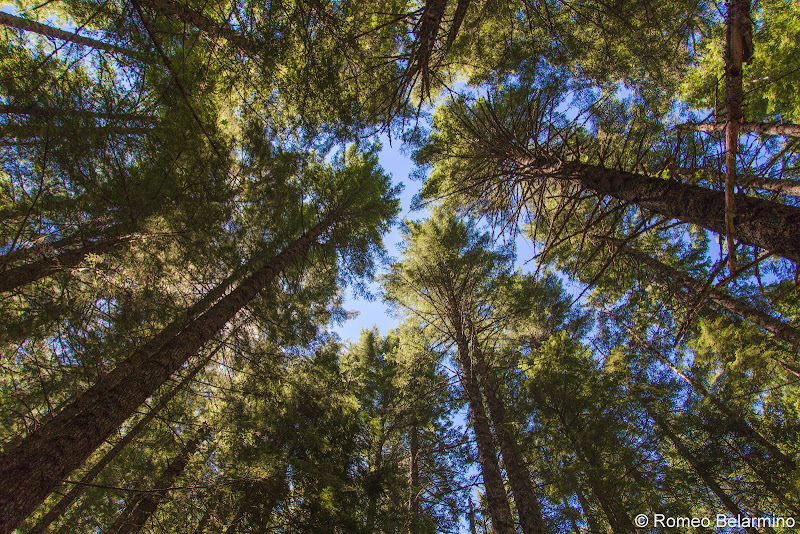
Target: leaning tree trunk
x=23 y=275
x=519 y=478
x=761 y=223
x=77 y=490
x=133 y=520
x=55 y=33
x=496 y=497
x=32 y=469
x=700 y=469
x=594 y=528
x=761 y=128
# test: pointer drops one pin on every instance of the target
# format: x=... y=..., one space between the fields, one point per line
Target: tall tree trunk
x=496 y=497
x=761 y=128
x=774 y=326
x=32 y=469
x=594 y=528
x=706 y=477
x=414 y=511
x=77 y=490
x=48 y=249
x=786 y=187
x=22 y=275
x=519 y=478
x=761 y=223
x=133 y=521
x=472 y=526
x=738 y=17
x=56 y=33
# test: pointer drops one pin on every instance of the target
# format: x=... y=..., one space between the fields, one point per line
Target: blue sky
x=376 y=312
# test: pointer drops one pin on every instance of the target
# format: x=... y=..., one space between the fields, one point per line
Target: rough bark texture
x=133 y=521
x=519 y=478
x=31 y=272
x=738 y=18
x=56 y=33
x=496 y=498
x=708 y=480
x=32 y=469
x=761 y=223
x=761 y=128
x=77 y=490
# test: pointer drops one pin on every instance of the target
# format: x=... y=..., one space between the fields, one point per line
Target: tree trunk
x=133 y=521
x=761 y=128
x=786 y=187
x=774 y=326
x=708 y=480
x=414 y=511
x=472 y=526
x=519 y=478
x=77 y=490
x=31 y=272
x=738 y=10
x=56 y=33
x=761 y=223
x=496 y=497
x=31 y=470
x=594 y=528
x=22 y=275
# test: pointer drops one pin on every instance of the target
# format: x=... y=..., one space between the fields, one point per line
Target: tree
x=106 y=405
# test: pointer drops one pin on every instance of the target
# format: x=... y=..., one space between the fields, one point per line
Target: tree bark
x=738 y=11
x=134 y=520
x=496 y=497
x=519 y=478
x=77 y=490
x=761 y=223
x=56 y=33
x=22 y=275
x=787 y=187
x=708 y=480
x=761 y=128
x=594 y=528
x=32 y=469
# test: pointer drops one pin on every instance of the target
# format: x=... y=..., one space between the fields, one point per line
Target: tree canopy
x=594 y=317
